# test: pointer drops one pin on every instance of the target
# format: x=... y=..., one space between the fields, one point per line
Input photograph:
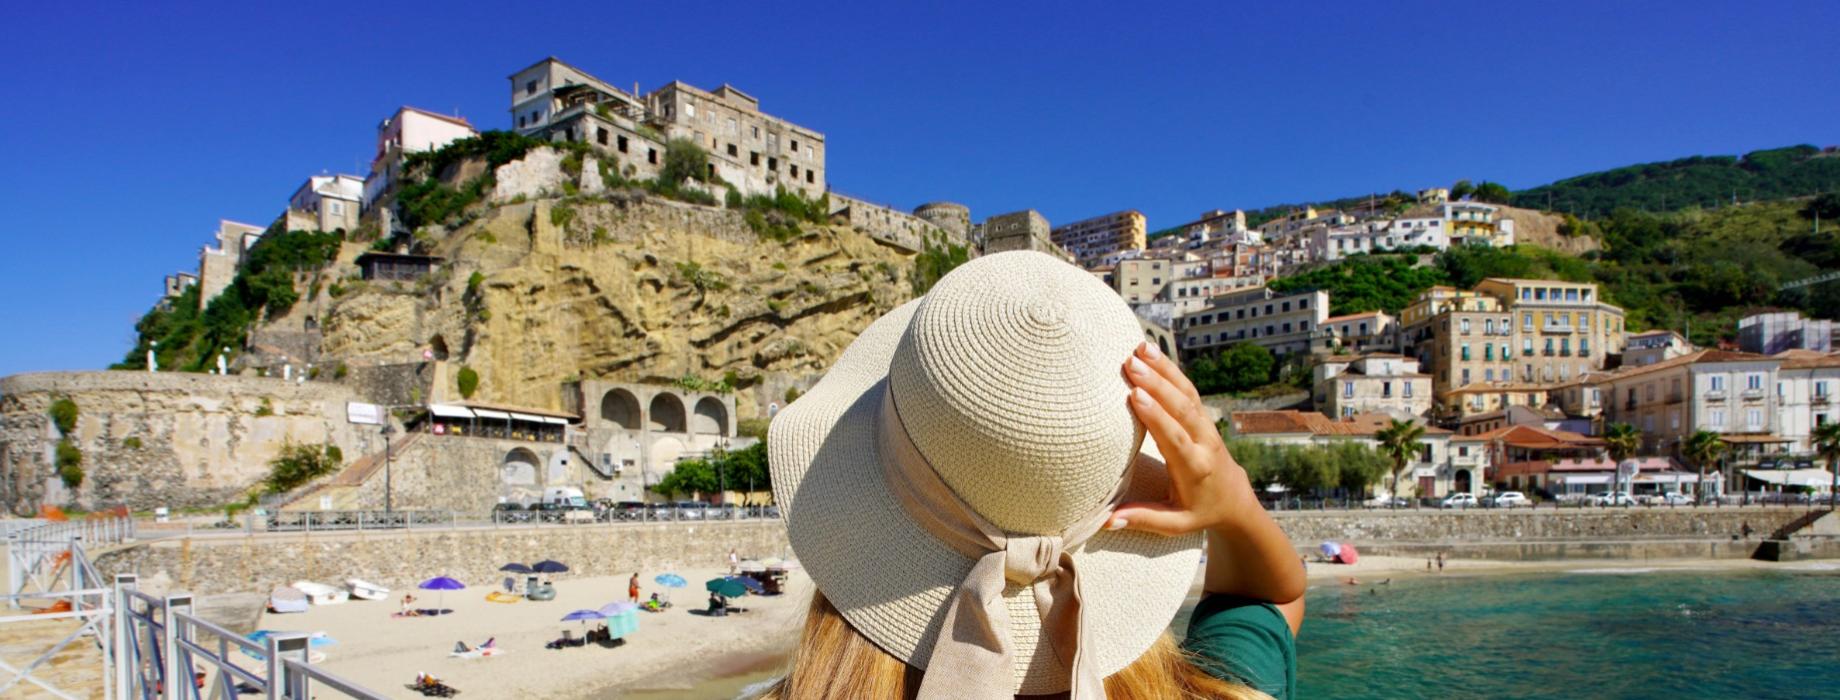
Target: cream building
x=1143 y=280
x=217 y=266
x=1368 y=331
x=1282 y=323
x=1806 y=384
x=1649 y=347
x=1510 y=340
x=1092 y=239
x=1731 y=393
x=326 y=203
x=1379 y=383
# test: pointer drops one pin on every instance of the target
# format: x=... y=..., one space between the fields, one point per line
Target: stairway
x=343 y=486
x=1781 y=546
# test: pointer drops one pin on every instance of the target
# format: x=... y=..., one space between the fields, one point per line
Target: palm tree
x=1826 y=440
x=1399 y=440
x=1621 y=440
x=1703 y=447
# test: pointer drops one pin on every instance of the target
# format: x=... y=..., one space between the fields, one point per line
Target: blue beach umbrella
x=583 y=616
x=670 y=580
x=443 y=584
x=549 y=566
x=516 y=568
x=618 y=608
x=753 y=585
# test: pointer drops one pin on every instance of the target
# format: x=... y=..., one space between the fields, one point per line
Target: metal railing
x=57 y=571
x=159 y=641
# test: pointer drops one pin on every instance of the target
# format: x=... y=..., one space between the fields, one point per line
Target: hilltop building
x=1381 y=383
x=409 y=130
x=217 y=266
x=1282 y=323
x=1776 y=332
x=1650 y=347
x=1368 y=331
x=177 y=283
x=1018 y=230
x=326 y=203
x=1089 y=239
x=750 y=149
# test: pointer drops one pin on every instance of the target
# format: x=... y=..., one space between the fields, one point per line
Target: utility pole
x=389 y=505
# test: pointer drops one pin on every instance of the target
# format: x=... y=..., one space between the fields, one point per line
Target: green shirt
x=1245 y=641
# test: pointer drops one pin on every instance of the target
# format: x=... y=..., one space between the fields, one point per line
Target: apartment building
x=754 y=151
x=1217 y=227
x=1776 y=332
x=1734 y=394
x=1806 y=385
x=1368 y=331
x=1509 y=341
x=1562 y=329
x=1282 y=323
x=1144 y=280
x=1475 y=223
x=326 y=203
x=1381 y=383
x=1091 y=239
x=1649 y=347
x=409 y=130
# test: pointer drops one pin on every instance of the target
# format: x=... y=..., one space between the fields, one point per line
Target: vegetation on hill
x=935 y=259
x=1699 y=181
x=1366 y=283
x=264 y=288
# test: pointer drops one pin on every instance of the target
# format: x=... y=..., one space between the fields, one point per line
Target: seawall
x=221 y=563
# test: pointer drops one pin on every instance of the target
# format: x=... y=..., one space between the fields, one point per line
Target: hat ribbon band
x=974 y=656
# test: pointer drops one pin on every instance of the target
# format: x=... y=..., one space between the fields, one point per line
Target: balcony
x=1715 y=395
x=1753 y=394
x=1818 y=400
x=1565 y=352
x=1556 y=328
x=1547 y=352
x=1584 y=352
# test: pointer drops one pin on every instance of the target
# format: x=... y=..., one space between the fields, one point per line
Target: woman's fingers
x=1171 y=437
x=1186 y=409
x=1169 y=369
x=1165 y=519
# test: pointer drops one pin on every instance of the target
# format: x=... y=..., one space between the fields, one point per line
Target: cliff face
x=626 y=288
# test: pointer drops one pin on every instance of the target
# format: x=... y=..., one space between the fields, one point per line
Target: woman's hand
x=1248 y=555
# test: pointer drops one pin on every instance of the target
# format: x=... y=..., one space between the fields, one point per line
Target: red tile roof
x=1537 y=438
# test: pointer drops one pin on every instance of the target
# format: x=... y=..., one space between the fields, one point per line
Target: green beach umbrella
x=727 y=588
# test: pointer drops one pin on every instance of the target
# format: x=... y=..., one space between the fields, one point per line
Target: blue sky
x=129 y=131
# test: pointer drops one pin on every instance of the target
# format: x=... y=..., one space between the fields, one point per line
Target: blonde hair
x=834 y=661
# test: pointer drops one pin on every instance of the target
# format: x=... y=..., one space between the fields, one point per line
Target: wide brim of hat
x=891 y=580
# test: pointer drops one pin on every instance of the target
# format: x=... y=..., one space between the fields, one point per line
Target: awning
x=527 y=418
x=1667 y=478
x=489 y=413
x=1754 y=439
x=449 y=410
x=1792 y=477
x=552 y=420
x=1581 y=478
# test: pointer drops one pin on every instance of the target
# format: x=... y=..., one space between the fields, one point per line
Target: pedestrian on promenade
x=632 y=588
x=966 y=491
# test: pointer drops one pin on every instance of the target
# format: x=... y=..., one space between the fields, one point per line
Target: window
x=336 y=207
x=756 y=132
x=1717 y=382
x=733 y=128
x=620 y=142
x=600 y=135
x=1820 y=388
x=1650 y=392
x=1270 y=330
x=1488 y=354
x=1466 y=351
x=1507 y=354
x=1753 y=419
x=1716 y=418
x=1488 y=375
x=1488 y=326
x=772 y=164
x=1465 y=381
x=1527 y=322
x=1673 y=420
x=1407 y=388
x=733 y=151
x=1268 y=308
x=811 y=176
x=530 y=87
x=1303 y=303
x=1526 y=346
x=1571 y=295
x=795 y=146
x=794 y=170
x=1463 y=326
x=1779 y=390
x=651 y=156
x=1286 y=307
x=1753 y=381
x=1287 y=326
x=1347 y=390
x=690 y=110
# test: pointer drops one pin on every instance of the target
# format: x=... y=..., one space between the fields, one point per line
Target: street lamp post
x=389 y=505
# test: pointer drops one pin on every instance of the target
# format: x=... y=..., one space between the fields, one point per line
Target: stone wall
x=231 y=564
x=903 y=231
x=1307 y=528
x=399 y=384
x=163 y=439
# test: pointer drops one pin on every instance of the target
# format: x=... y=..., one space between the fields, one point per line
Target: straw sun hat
x=1004 y=384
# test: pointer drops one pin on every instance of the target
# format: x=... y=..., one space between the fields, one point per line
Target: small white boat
x=284 y=599
x=321 y=594
x=365 y=590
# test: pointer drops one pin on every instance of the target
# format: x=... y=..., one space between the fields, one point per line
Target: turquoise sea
x=1607 y=633
x=1614 y=632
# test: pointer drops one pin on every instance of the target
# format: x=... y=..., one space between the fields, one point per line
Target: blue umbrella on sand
x=441 y=583
x=753 y=585
x=549 y=566
x=670 y=580
x=516 y=568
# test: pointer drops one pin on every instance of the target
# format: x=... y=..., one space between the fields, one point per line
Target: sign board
x=364 y=413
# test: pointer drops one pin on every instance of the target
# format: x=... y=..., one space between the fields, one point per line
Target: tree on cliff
x=1703 y=447
x=467 y=381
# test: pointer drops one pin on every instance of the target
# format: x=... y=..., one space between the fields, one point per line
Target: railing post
x=177 y=673
x=282 y=681
x=124 y=657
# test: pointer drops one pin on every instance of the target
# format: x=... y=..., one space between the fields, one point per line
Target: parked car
x=1459 y=500
x=1675 y=498
x=691 y=510
x=511 y=513
x=1612 y=498
x=1386 y=502
x=1512 y=499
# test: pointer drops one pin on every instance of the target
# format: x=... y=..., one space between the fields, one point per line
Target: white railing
x=57 y=572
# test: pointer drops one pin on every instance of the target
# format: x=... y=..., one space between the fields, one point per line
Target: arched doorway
x=437 y=347
x=666 y=413
x=711 y=417
x=1463 y=481
x=621 y=408
x=520 y=467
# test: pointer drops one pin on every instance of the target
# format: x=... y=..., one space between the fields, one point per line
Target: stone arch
x=1462 y=481
x=520 y=467
x=437 y=346
x=666 y=413
x=620 y=407
x=711 y=417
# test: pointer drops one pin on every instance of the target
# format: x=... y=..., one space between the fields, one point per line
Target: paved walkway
x=76 y=669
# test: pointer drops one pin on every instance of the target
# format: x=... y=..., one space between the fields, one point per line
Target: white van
x=564 y=498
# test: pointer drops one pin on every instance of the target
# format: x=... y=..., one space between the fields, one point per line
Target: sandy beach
x=674 y=648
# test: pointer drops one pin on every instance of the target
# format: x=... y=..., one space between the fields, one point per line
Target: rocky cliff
x=537 y=291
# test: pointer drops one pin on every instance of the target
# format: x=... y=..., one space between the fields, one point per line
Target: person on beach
x=966 y=490
x=1440 y=560
x=734 y=562
x=632 y=588
x=408 y=605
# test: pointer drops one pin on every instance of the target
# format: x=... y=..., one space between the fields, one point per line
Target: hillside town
x=1514 y=384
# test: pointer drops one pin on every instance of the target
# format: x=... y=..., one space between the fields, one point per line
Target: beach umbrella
x=583 y=616
x=670 y=581
x=443 y=584
x=726 y=587
x=1348 y=555
x=549 y=566
x=1330 y=549
x=750 y=565
x=516 y=568
x=622 y=624
x=618 y=608
x=753 y=585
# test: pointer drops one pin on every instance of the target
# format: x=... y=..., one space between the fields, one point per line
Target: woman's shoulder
x=1246 y=641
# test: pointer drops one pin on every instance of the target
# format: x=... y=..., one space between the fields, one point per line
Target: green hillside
x=1696 y=182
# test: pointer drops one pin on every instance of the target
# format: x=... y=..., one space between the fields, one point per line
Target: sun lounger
x=502 y=597
x=321 y=594
x=365 y=590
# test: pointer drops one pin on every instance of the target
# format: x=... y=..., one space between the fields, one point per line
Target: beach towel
x=498 y=597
